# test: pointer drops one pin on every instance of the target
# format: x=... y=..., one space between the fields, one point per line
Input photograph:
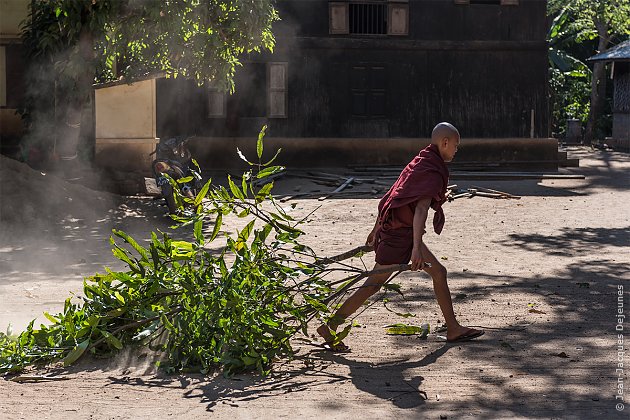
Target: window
x=261 y=91
x=368 y=91
x=250 y=98
x=369 y=17
x=3 y=77
x=277 y=90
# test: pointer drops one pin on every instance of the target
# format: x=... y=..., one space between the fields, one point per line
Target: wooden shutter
x=216 y=103
x=3 y=76
x=398 y=18
x=338 y=18
x=277 y=90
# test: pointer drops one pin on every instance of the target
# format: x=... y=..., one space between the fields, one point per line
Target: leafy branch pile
x=236 y=309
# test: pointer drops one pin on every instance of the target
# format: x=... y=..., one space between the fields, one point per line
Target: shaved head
x=443 y=130
x=446 y=137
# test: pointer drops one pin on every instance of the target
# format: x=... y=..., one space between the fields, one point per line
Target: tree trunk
x=598 y=87
x=72 y=105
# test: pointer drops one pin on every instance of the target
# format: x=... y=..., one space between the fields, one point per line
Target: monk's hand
x=417 y=262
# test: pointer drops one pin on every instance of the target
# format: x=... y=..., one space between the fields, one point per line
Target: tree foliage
x=200 y=39
x=582 y=28
x=236 y=308
x=74 y=43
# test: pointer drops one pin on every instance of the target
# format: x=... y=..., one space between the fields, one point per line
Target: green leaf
x=166 y=322
x=395 y=287
x=247 y=230
x=262 y=235
x=112 y=340
x=343 y=334
x=51 y=318
x=217 y=226
x=77 y=352
x=236 y=192
x=244 y=184
x=404 y=329
x=259 y=143
x=406 y=314
x=199 y=231
x=269 y=171
x=264 y=191
x=202 y=194
x=115 y=312
x=119 y=297
x=273 y=158
x=317 y=305
x=139 y=249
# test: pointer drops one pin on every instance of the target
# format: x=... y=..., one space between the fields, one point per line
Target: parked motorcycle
x=173 y=158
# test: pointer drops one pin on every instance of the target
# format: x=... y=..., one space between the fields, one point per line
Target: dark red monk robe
x=426 y=176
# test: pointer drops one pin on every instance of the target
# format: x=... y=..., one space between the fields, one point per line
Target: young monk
x=397 y=234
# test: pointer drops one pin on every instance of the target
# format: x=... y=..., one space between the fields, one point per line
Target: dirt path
x=541 y=274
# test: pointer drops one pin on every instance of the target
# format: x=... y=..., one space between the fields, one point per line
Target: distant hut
x=620 y=58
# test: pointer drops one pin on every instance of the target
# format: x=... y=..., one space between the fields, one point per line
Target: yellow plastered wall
x=126 y=126
x=12 y=13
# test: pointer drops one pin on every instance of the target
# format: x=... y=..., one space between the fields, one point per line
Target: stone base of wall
x=523 y=154
x=125 y=154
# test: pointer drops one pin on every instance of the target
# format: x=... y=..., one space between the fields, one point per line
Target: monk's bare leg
x=443 y=295
x=371 y=285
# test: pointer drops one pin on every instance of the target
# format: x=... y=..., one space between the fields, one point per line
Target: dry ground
x=562 y=250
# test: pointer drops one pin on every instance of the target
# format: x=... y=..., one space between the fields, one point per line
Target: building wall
x=481 y=66
x=125 y=125
x=621 y=106
x=12 y=67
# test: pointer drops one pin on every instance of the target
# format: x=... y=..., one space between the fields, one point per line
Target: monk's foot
x=461 y=334
x=329 y=340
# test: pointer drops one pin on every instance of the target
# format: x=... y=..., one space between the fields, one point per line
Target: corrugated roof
x=620 y=52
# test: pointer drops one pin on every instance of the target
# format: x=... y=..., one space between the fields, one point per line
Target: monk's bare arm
x=372 y=234
x=419 y=221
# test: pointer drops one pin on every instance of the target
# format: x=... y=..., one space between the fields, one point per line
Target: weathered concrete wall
x=12 y=13
x=125 y=126
x=220 y=153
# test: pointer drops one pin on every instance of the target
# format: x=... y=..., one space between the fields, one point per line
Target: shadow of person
x=389 y=380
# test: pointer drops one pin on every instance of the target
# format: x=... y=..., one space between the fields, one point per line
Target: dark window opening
x=497 y=2
x=250 y=97
x=368 y=18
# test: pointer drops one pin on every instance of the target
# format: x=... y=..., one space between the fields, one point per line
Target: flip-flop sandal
x=467 y=336
x=336 y=348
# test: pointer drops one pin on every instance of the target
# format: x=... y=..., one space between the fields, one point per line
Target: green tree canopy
x=583 y=21
x=73 y=43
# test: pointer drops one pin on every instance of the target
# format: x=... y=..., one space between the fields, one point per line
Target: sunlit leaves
x=76 y=352
x=238 y=315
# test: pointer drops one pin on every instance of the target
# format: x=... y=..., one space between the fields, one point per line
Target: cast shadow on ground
x=242 y=388
x=561 y=351
x=570 y=241
x=518 y=346
x=387 y=380
x=567 y=351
